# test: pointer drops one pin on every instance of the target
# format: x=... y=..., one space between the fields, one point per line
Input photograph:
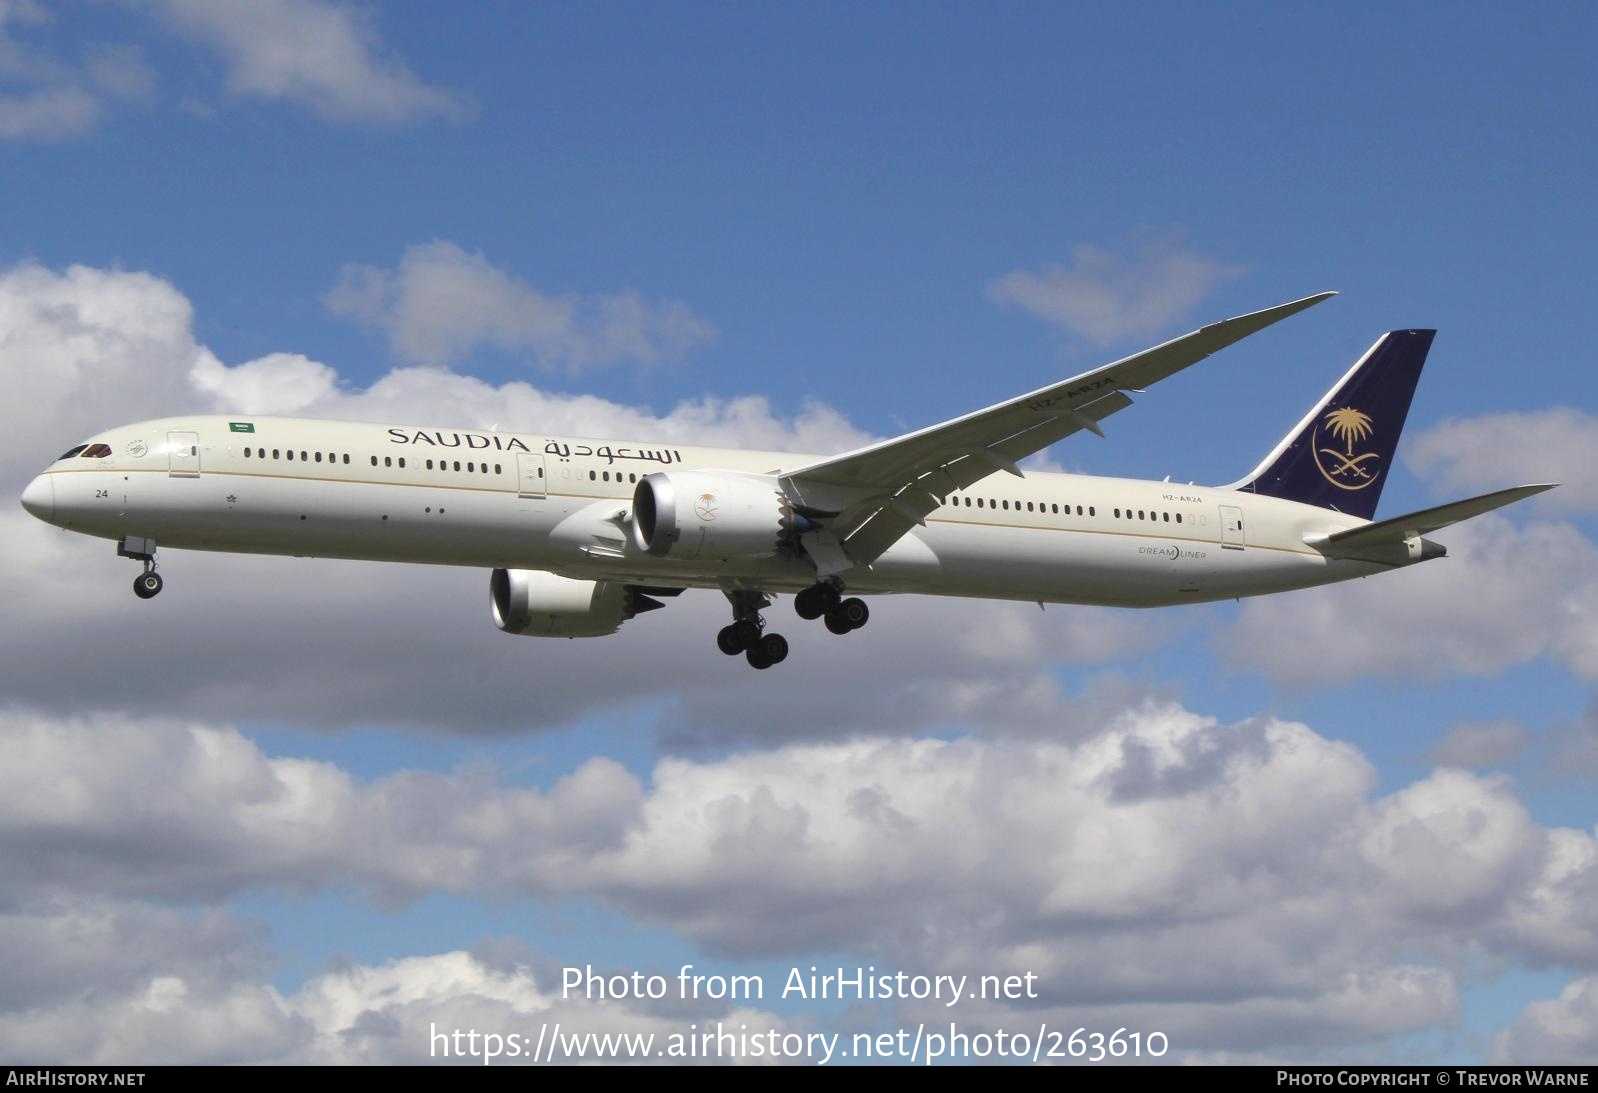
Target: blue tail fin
x=1339 y=456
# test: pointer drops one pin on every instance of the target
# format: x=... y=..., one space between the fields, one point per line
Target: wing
x=864 y=501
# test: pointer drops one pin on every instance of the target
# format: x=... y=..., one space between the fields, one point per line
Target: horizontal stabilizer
x=1397 y=529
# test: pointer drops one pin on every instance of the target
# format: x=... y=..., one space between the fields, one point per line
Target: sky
x=306 y=811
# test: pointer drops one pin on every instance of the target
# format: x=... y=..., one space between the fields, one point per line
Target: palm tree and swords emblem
x=1348 y=471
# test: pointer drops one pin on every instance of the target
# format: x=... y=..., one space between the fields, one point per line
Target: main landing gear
x=825 y=600
x=149 y=582
x=745 y=634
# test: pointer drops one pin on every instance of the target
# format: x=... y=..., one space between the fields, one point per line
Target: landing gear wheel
x=773 y=648
x=849 y=615
x=811 y=603
x=854 y=612
x=146 y=585
x=747 y=631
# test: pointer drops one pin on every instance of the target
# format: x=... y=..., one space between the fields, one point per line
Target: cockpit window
x=70 y=452
x=96 y=451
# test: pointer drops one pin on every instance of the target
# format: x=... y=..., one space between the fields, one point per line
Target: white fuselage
x=527 y=501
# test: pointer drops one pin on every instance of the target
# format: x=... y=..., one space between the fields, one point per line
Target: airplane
x=583 y=534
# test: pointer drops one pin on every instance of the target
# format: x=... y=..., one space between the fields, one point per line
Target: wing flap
x=873 y=525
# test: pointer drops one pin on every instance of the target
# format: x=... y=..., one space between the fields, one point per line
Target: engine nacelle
x=529 y=601
x=711 y=514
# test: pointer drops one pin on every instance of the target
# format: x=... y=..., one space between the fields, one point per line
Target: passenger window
x=291 y=455
x=374 y=461
x=590 y=476
x=1179 y=518
x=540 y=472
x=1117 y=514
x=388 y=461
x=319 y=457
x=429 y=464
x=498 y=471
x=402 y=461
x=471 y=466
x=979 y=502
x=304 y=458
x=1029 y=506
x=246 y=453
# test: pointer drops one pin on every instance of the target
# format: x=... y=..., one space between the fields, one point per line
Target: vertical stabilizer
x=1340 y=455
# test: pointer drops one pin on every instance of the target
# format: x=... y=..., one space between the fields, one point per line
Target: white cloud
x=17 y=63
x=1476 y=744
x=1485 y=453
x=1553 y=1032
x=53 y=100
x=84 y=349
x=168 y=993
x=121 y=70
x=441 y=303
x=319 y=54
x=1104 y=296
x=1241 y=887
x=1505 y=595
x=57 y=113
x=278 y=383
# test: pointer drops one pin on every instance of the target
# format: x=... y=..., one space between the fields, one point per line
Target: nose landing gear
x=149 y=582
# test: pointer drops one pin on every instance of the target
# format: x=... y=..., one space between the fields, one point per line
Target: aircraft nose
x=39 y=498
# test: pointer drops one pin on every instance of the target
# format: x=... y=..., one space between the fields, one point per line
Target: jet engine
x=691 y=515
x=532 y=602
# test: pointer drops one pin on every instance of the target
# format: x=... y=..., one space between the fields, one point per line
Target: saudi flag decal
x=242 y=426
